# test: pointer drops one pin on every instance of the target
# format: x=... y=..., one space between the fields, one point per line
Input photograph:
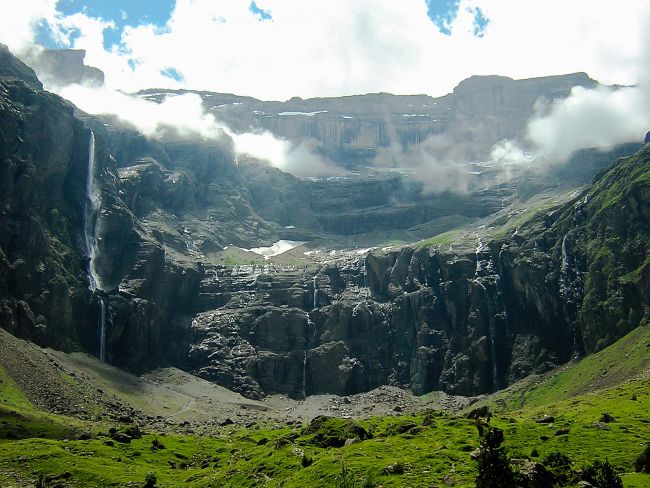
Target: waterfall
x=315 y=291
x=570 y=291
x=565 y=257
x=488 y=279
x=91 y=215
x=101 y=325
x=310 y=342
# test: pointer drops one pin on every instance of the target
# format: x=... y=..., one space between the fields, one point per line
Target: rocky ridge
x=464 y=316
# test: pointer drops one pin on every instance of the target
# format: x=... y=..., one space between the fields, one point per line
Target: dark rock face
x=480 y=112
x=43 y=155
x=12 y=69
x=65 y=67
x=469 y=318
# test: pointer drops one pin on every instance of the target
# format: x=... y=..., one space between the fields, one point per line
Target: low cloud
x=337 y=47
x=598 y=118
x=299 y=159
x=184 y=116
x=440 y=163
x=184 y=113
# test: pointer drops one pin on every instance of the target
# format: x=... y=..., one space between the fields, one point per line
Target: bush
x=642 y=462
x=602 y=475
x=306 y=461
x=556 y=459
x=150 y=481
x=345 y=478
x=369 y=481
x=156 y=445
x=494 y=469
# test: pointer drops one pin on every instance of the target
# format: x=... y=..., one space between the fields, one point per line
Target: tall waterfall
x=91 y=215
x=311 y=341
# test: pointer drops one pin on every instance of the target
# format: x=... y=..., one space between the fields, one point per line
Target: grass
x=432 y=448
x=443 y=239
x=431 y=451
x=627 y=358
x=19 y=418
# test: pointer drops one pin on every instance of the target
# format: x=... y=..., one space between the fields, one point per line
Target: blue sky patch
x=442 y=13
x=260 y=13
x=121 y=12
x=480 y=22
x=173 y=73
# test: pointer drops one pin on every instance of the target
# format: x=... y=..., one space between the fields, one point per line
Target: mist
x=598 y=118
x=184 y=115
x=439 y=163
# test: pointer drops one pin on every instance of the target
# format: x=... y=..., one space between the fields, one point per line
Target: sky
x=277 y=49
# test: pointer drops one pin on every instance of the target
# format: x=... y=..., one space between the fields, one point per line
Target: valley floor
x=70 y=420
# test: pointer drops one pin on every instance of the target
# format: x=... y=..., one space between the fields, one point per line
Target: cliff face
x=149 y=222
x=43 y=154
x=480 y=112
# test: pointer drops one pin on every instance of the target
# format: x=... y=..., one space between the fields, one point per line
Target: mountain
x=72 y=420
x=141 y=251
x=353 y=130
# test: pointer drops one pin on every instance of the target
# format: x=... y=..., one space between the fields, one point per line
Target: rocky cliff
x=353 y=130
x=121 y=246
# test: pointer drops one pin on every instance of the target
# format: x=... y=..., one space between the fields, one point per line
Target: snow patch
x=276 y=249
x=306 y=114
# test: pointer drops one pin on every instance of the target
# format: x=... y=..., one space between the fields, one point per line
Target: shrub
x=345 y=478
x=494 y=469
x=556 y=459
x=150 y=481
x=642 y=462
x=602 y=475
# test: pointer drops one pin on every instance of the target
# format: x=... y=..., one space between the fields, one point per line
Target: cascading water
x=310 y=342
x=487 y=277
x=90 y=217
x=570 y=286
x=102 y=333
x=90 y=242
x=315 y=291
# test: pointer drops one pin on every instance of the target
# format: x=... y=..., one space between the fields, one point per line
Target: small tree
x=602 y=475
x=642 y=462
x=494 y=469
x=150 y=480
x=345 y=478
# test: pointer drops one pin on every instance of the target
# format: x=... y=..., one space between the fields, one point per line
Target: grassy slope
x=431 y=454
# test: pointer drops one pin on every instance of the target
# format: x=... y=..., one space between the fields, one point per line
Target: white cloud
x=336 y=47
x=183 y=116
x=18 y=22
x=599 y=118
x=589 y=118
x=184 y=113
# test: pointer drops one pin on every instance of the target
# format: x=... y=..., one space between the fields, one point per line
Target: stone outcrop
x=61 y=67
x=480 y=112
x=466 y=318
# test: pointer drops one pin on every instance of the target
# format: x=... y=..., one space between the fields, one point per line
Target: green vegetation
x=599 y=426
x=443 y=239
x=624 y=178
x=627 y=358
x=435 y=450
x=20 y=419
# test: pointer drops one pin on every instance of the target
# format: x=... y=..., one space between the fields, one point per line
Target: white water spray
x=311 y=341
x=91 y=215
x=101 y=322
